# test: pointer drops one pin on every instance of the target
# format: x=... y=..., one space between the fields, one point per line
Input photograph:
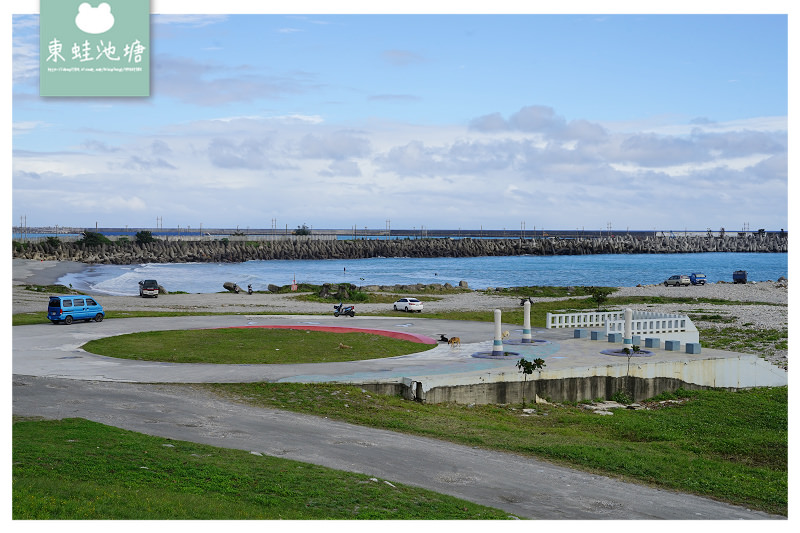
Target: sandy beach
x=26 y=271
x=773 y=315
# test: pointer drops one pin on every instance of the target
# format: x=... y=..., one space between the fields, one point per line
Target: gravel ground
x=747 y=319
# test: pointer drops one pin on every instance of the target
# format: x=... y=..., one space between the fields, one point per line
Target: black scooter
x=249 y=289
x=349 y=310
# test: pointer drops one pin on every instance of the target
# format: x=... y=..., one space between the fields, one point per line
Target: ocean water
x=479 y=272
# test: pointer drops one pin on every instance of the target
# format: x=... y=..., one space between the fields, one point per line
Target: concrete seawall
x=221 y=251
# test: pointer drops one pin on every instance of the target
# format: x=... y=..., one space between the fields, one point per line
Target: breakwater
x=237 y=251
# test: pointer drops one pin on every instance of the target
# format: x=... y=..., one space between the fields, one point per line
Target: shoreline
x=46 y=272
x=754 y=306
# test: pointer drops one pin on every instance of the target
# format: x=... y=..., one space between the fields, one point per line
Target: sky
x=622 y=120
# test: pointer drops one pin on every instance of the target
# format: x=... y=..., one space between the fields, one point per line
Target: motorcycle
x=348 y=310
x=249 y=289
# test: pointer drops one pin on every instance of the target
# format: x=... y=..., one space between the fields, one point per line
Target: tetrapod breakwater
x=235 y=251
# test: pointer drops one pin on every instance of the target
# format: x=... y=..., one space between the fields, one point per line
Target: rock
x=239 y=251
x=229 y=285
x=342 y=293
x=325 y=291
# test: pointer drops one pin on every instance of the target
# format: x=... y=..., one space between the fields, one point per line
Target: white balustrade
x=643 y=324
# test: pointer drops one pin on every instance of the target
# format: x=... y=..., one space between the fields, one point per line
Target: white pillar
x=497 y=347
x=526 y=322
x=627 y=337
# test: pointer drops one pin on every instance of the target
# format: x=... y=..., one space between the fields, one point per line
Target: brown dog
x=454 y=341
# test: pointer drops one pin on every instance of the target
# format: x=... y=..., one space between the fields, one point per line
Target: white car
x=408 y=305
x=678 y=281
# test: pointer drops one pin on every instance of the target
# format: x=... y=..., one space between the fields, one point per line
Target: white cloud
x=301 y=168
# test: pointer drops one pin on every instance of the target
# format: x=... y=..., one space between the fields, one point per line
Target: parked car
x=148 y=287
x=697 y=278
x=740 y=276
x=67 y=309
x=408 y=305
x=677 y=281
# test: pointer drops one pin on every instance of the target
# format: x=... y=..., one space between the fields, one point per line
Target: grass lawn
x=74 y=469
x=252 y=346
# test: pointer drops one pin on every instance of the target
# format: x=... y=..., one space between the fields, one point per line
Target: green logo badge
x=94 y=48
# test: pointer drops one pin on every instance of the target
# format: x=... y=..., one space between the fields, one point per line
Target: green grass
x=75 y=469
x=729 y=446
x=252 y=346
x=746 y=340
x=49 y=289
x=732 y=446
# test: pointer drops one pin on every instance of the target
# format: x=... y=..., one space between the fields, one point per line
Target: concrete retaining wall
x=555 y=390
x=574 y=384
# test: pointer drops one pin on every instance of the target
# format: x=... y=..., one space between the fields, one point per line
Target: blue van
x=66 y=309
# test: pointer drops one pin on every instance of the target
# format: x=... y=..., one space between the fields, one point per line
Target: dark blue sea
x=479 y=272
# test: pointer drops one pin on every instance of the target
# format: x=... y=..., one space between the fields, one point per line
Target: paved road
x=44 y=355
x=522 y=486
x=54 y=350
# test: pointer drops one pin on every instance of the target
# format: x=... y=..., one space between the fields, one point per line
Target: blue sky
x=639 y=121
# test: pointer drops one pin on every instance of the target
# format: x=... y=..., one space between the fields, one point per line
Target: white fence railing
x=596 y=319
x=653 y=323
x=643 y=323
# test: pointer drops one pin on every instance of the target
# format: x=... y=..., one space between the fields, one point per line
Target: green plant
x=622 y=396
x=527 y=368
x=302 y=230
x=144 y=237
x=599 y=295
x=91 y=238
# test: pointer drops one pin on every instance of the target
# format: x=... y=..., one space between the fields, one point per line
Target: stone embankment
x=222 y=251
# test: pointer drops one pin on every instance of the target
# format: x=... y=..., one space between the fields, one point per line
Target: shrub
x=91 y=238
x=622 y=397
x=144 y=237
